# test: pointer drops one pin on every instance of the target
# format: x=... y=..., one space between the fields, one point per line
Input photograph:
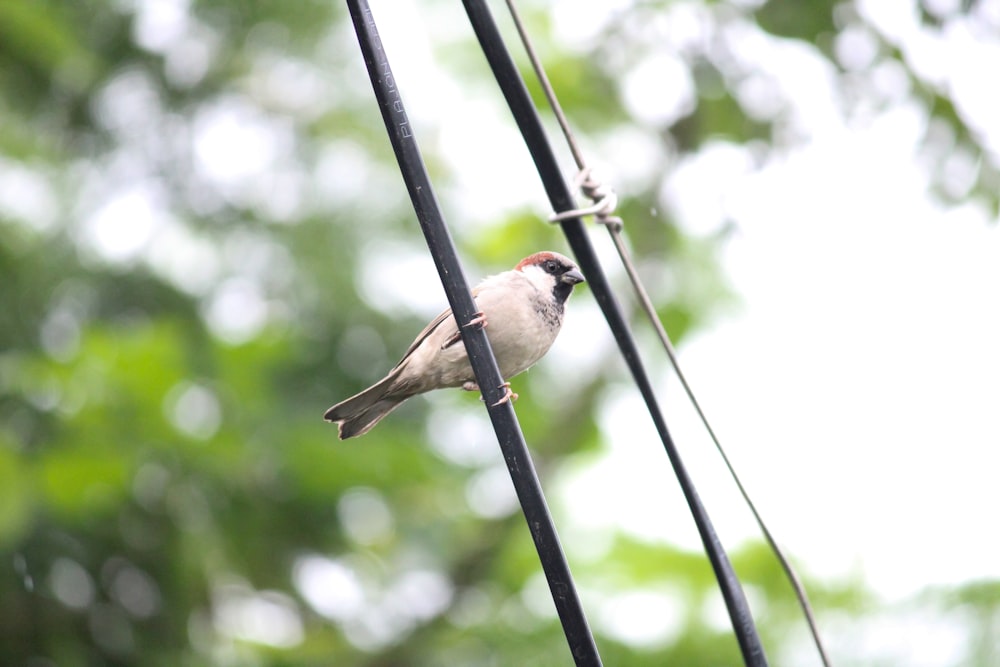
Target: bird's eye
x=551 y=266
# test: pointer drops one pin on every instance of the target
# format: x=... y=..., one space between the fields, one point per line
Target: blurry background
x=204 y=243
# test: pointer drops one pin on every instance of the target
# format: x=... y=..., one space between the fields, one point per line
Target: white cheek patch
x=540 y=280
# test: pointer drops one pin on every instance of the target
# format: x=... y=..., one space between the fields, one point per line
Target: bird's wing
x=452 y=338
x=422 y=336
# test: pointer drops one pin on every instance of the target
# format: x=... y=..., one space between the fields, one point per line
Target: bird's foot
x=508 y=395
x=478 y=321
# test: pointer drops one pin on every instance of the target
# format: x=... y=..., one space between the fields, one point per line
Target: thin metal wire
x=603 y=210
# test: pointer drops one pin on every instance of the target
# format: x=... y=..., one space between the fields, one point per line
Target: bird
x=522 y=311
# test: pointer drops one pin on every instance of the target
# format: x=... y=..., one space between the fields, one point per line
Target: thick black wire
x=526 y=117
x=603 y=210
x=484 y=365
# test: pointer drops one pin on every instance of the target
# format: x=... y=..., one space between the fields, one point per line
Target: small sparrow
x=524 y=311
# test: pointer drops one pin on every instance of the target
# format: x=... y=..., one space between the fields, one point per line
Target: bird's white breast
x=523 y=321
x=523 y=317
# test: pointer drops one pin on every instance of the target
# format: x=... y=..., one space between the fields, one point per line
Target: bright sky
x=856 y=387
x=864 y=364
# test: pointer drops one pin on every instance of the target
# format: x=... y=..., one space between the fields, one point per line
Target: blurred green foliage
x=174 y=326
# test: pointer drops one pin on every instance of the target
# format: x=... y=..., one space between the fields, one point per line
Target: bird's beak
x=573 y=276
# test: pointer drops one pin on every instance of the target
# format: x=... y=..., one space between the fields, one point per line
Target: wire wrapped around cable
x=526 y=117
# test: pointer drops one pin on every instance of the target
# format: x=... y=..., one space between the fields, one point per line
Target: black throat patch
x=551 y=310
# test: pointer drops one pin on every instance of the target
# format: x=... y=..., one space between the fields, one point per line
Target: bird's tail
x=359 y=413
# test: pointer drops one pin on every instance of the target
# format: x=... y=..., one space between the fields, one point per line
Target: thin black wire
x=484 y=365
x=526 y=117
x=604 y=215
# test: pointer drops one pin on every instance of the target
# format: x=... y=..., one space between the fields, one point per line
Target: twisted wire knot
x=604 y=198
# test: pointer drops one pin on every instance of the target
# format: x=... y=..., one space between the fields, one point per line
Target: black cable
x=526 y=117
x=484 y=365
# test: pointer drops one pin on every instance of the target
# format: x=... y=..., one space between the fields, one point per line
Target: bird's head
x=551 y=270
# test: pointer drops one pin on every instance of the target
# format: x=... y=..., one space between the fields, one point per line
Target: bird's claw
x=508 y=395
x=478 y=321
